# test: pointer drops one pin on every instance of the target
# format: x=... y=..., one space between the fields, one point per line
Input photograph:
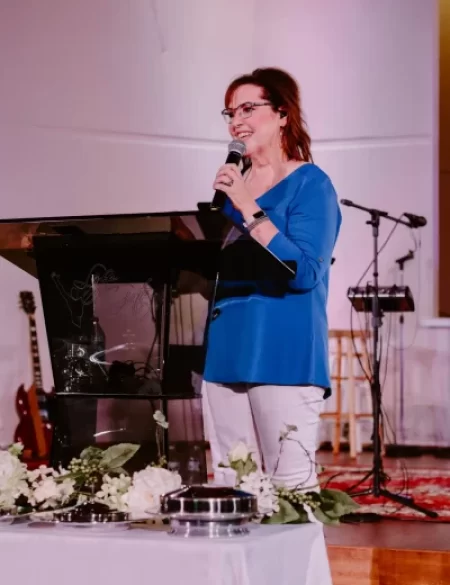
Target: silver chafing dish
x=210 y=511
x=90 y=514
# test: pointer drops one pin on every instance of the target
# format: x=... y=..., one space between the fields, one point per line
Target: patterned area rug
x=429 y=488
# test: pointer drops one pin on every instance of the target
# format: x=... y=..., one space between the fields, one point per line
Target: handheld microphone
x=416 y=221
x=405 y=258
x=236 y=150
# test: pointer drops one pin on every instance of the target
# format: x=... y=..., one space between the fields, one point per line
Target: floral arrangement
x=278 y=504
x=22 y=490
x=97 y=475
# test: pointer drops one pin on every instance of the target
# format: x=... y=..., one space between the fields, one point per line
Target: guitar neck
x=34 y=349
x=35 y=390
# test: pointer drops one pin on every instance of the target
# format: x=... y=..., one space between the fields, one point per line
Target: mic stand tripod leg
x=379 y=477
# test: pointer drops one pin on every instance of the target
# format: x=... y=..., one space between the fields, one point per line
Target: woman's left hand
x=229 y=180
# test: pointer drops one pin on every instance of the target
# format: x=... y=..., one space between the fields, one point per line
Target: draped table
x=269 y=555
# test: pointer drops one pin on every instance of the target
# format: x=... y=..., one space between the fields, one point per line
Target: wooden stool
x=345 y=353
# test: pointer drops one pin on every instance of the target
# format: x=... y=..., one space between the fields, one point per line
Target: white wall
x=114 y=97
x=114 y=107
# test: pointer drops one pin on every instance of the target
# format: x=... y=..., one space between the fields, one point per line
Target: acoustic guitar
x=34 y=430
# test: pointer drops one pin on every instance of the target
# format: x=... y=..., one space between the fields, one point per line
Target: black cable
x=405 y=488
x=383 y=411
x=153 y=310
x=368 y=375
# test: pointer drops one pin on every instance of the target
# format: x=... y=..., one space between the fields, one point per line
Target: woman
x=267 y=350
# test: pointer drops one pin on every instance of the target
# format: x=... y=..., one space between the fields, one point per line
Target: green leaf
x=323 y=517
x=242 y=468
x=249 y=466
x=117 y=455
x=291 y=428
x=286 y=514
x=91 y=453
x=75 y=476
x=238 y=467
x=302 y=515
x=336 y=503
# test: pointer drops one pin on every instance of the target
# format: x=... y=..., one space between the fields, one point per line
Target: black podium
x=110 y=290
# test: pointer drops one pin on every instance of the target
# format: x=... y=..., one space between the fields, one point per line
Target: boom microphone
x=416 y=221
x=236 y=150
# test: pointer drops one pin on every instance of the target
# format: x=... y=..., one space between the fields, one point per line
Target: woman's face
x=258 y=126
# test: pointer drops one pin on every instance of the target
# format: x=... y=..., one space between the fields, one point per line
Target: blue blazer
x=256 y=337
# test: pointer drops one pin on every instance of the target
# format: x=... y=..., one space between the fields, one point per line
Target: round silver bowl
x=210 y=511
x=90 y=513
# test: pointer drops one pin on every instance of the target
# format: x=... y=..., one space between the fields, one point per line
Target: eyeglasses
x=245 y=110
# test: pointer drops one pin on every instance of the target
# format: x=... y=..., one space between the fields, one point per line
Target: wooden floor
x=389 y=552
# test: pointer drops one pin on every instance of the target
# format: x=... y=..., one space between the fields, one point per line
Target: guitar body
x=25 y=429
x=34 y=430
x=25 y=432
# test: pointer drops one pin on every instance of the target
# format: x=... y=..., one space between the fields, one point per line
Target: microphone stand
x=378 y=475
x=401 y=264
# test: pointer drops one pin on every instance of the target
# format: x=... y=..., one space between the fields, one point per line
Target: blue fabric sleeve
x=312 y=226
x=232 y=213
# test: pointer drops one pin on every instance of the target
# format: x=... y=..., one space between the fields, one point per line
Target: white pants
x=257 y=415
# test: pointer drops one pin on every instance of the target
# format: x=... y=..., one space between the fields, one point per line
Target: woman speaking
x=267 y=350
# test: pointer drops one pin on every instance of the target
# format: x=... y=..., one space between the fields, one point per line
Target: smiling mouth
x=243 y=135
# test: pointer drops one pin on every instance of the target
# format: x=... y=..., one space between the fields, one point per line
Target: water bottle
x=194 y=475
x=174 y=461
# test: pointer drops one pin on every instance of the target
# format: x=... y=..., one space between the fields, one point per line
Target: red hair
x=282 y=91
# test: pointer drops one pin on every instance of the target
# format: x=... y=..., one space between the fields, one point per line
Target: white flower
x=260 y=485
x=161 y=419
x=11 y=468
x=16 y=449
x=46 y=491
x=113 y=491
x=238 y=452
x=12 y=479
x=149 y=484
x=39 y=473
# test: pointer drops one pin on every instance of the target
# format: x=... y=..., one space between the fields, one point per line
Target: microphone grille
x=237 y=146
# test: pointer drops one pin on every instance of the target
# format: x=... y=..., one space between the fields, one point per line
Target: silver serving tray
x=209 y=503
x=90 y=513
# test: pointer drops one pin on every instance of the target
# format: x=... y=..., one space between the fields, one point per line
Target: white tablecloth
x=270 y=555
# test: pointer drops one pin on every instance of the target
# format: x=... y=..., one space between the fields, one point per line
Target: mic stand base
x=384 y=493
x=377 y=490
